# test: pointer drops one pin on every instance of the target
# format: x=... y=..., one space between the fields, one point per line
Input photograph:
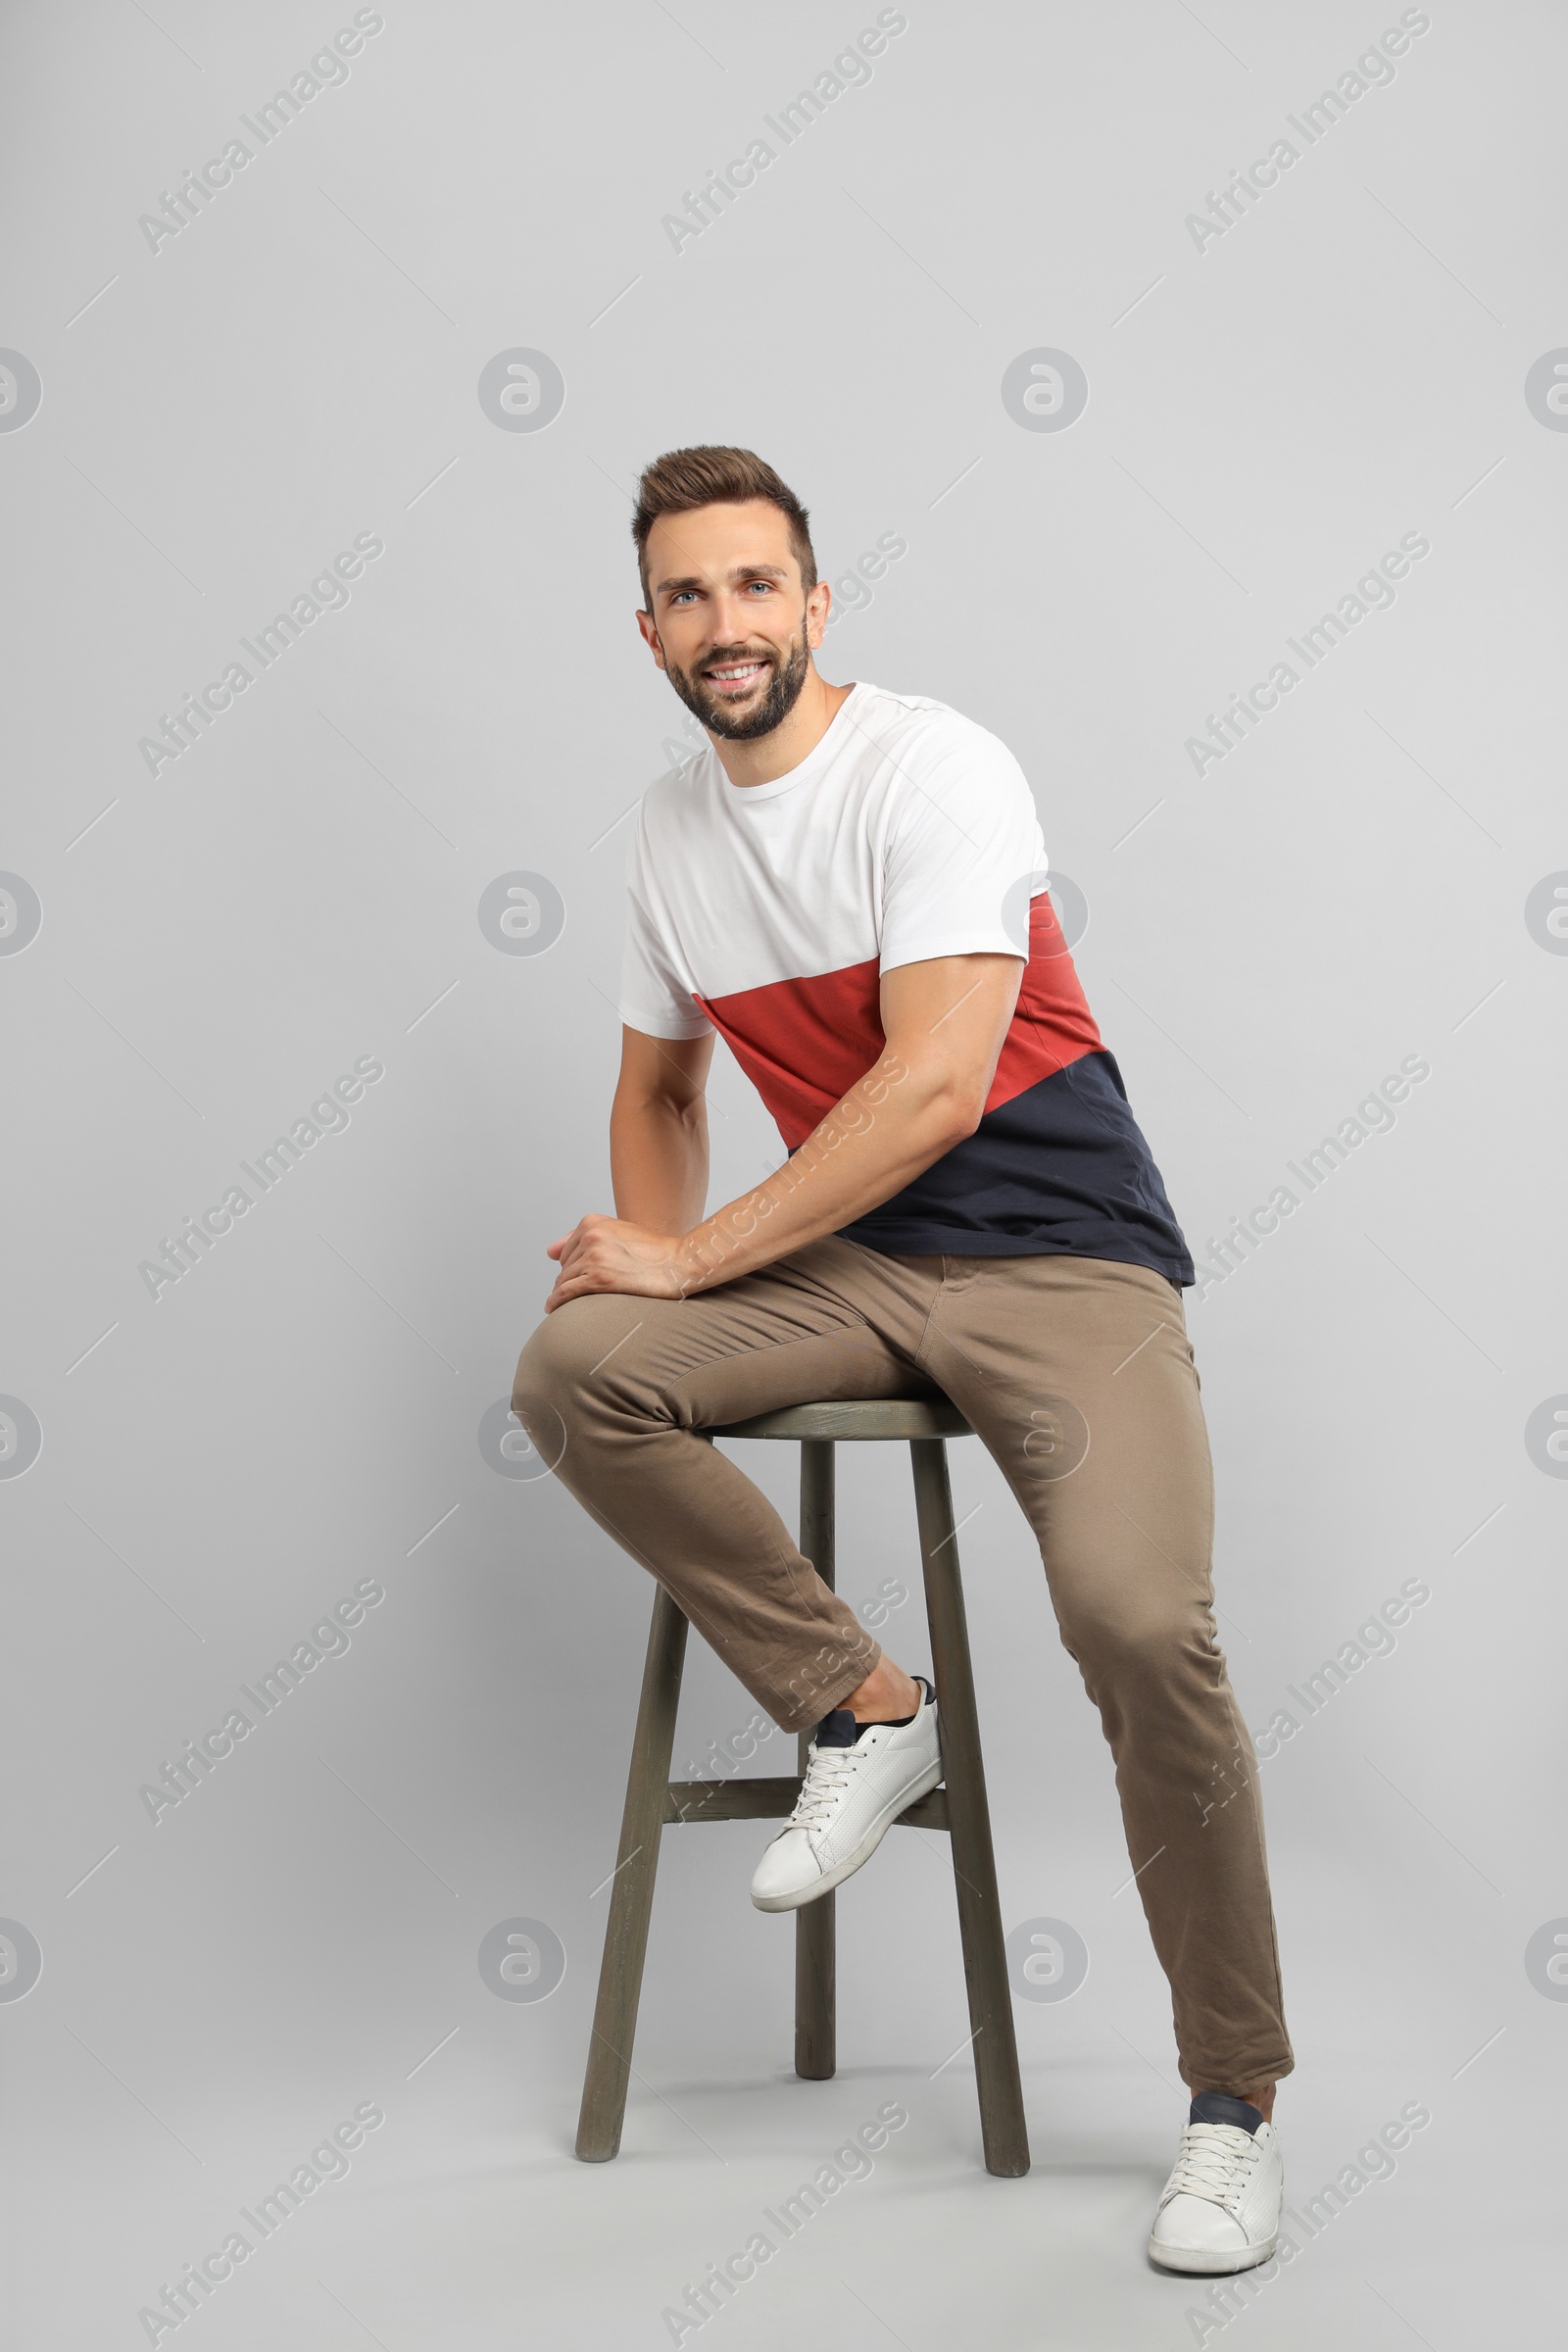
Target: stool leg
x=631 y=1896
x=1002 y=2130
x=815 y=2031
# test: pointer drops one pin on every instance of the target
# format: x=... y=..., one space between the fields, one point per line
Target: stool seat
x=932 y=1416
x=925 y=1421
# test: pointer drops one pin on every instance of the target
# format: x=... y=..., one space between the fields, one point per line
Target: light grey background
x=1266 y=416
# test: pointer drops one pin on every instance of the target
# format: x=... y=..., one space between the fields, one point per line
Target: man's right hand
x=609 y=1253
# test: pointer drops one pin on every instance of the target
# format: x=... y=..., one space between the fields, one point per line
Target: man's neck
x=767 y=758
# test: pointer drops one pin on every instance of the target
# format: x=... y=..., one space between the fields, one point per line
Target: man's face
x=729 y=620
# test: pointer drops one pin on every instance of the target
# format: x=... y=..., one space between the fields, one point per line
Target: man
x=848 y=886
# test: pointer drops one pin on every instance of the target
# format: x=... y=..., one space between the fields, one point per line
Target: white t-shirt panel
x=900 y=837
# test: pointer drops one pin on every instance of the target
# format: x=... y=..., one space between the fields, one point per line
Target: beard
x=779 y=697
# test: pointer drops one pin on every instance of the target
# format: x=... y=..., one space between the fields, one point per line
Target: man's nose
x=731 y=623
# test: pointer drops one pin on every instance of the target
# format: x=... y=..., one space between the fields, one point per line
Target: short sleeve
x=653 y=997
x=964 y=853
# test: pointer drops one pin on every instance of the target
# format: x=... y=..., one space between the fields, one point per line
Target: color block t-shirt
x=769 y=912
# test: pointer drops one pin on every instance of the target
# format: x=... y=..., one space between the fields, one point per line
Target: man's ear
x=817 y=604
x=649 y=630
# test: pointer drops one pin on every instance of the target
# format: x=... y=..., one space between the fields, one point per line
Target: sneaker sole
x=1205 y=2261
x=852 y=1862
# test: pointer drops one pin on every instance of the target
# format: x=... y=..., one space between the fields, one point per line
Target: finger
x=578 y=1286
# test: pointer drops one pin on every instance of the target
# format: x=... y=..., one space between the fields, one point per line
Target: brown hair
x=712 y=474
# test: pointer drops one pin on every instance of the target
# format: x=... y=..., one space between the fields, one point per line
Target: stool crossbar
x=958 y=1806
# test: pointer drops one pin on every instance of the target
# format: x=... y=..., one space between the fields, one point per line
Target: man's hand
x=608 y=1253
x=943 y=1020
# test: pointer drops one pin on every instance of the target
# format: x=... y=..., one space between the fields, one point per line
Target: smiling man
x=848 y=885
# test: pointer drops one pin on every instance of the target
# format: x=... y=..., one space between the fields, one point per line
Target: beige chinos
x=1077 y=1374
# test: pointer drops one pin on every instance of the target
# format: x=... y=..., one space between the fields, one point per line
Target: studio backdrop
x=1182 y=394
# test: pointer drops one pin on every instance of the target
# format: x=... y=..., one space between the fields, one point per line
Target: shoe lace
x=1214 y=2161
x=828 y=1775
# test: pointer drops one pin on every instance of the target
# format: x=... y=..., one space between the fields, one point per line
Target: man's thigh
x=829 y=1322
x=1078 y=1375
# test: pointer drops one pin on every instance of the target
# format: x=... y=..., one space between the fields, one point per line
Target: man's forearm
x=945 y=1019
x=658 y=1162
x=890 y=1126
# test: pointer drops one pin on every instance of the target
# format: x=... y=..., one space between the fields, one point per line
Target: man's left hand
x=607 y=1254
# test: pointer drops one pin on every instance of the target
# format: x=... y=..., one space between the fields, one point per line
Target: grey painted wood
x=631 y=1893
x=766 y=1797
x=770 y=1799
x=1002 y=2130
x=928 y=1812
x=868 y=1418
x=653 y=1798
x=816 y=1924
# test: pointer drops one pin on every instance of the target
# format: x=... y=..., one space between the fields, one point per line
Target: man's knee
x=558 y=1372
x=552 y=1363
x=1134 y=1642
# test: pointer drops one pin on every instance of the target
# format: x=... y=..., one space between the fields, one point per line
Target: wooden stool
x=959 y=1806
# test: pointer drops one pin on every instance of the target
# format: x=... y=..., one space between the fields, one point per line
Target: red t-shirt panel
x=831 y=1026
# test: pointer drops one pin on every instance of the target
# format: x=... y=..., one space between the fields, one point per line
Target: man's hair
x=710 y=474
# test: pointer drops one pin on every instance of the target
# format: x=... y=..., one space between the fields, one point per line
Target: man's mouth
x=736 y=678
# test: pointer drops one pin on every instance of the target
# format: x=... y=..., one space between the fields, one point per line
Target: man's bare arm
x=659 y=1131
x=945 y=1021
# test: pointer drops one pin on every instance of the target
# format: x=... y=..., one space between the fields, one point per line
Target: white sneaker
x=1221 y=2207
x=857 y=1781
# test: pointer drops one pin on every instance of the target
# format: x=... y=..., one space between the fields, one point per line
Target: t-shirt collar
x=806 y=771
